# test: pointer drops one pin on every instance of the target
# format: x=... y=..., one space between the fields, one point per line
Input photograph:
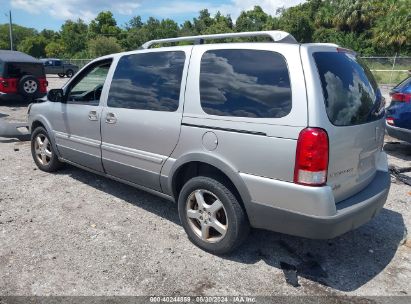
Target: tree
x=253 y=20
x=74 y=36
x=102 y=45
x=34 y=46
x=393 y=32
x=297 y=22
x=203 y=22
x=134 y=23
x=104 y=24
x=19 y=34
x=55 y=49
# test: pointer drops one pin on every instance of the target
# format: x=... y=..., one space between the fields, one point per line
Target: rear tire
x=43 y=152
x=211 y=215
x=61 y=75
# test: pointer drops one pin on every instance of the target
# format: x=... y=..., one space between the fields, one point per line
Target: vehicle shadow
x=344 y=263
x=15 y=103
x=397 y=149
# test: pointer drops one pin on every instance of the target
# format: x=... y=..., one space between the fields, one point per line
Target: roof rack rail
x=276 y=36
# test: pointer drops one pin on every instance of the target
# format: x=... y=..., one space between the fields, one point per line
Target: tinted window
x=350 y=92
x=245 y=83
x=19 y=70
x=57 y=63
x=149 y=81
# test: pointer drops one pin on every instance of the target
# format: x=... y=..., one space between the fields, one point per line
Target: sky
x=51 y=14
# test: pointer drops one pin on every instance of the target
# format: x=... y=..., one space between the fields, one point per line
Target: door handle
x=93 y=116
x=111 y=118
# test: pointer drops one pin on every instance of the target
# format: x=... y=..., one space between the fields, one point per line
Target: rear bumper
x=348 y=215
x=399 y=133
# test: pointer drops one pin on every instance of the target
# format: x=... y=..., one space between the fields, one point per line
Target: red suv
x=22 y=77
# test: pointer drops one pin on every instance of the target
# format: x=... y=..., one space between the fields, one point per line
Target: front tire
x=211 y=215
x=43 y=152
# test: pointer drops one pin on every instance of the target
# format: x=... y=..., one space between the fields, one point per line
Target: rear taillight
x=390 y=121
x=43 y=85
x=311 y=162
x=401 y=97
x=8 y=85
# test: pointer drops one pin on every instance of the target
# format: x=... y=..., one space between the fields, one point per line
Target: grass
x=388 y=77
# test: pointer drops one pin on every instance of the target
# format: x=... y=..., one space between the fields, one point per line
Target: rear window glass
x=18 y=70
x=350 y=92
x=245 y=83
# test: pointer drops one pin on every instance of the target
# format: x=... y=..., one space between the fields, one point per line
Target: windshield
x=350 y=92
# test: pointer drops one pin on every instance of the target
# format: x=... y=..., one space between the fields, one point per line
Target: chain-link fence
x=386 y=70
x=389 y=70
x=78 y=62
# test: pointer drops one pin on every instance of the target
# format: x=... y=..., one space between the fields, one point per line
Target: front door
x=77 y=125
x=140 y=125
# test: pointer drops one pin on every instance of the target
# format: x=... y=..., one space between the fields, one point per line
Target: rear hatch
x=355 y=110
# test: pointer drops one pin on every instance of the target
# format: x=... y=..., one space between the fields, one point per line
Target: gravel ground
x=75 y=233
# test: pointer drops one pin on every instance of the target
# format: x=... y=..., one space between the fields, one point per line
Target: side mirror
x=55 y=95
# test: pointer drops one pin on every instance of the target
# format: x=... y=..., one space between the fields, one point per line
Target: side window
x=245 y=83
x=148 y=81
x=88 y=86
x=57 y=63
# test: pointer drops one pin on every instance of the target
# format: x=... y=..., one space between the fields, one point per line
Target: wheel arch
x=198 y=164
x=40 y=121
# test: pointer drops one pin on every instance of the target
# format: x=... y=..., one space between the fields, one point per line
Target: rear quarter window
x=18 y=70
x=351 y=94
x=245 y=83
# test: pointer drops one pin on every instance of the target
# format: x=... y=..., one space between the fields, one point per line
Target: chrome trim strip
x=155 y=158
x=78 y=139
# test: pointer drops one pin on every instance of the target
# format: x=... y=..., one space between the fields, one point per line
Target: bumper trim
x=351 y=213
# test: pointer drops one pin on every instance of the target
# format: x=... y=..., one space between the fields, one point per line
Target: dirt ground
x=75 y=233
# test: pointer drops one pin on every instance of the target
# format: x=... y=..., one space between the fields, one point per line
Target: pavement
x=74 y=233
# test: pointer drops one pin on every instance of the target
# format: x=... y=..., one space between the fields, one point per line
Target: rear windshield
x=18 y=70
x=351 y=94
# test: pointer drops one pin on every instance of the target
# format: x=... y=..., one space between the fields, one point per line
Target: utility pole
x=11 y=31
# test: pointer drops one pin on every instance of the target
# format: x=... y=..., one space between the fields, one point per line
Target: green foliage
x=370 y=27
x=104 y=24
x=103 y=45
x=19 y=34
x=55 y=49
x=74 y=36
x=394 y=30
x=34 y=46
x=254 y=20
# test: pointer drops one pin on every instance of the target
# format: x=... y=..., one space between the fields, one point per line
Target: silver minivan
x=274 y=135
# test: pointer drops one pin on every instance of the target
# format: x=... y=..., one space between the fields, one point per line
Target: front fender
x=47 y=125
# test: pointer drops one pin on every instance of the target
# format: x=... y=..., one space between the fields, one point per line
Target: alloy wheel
x=206 y=216
x=42 y=148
